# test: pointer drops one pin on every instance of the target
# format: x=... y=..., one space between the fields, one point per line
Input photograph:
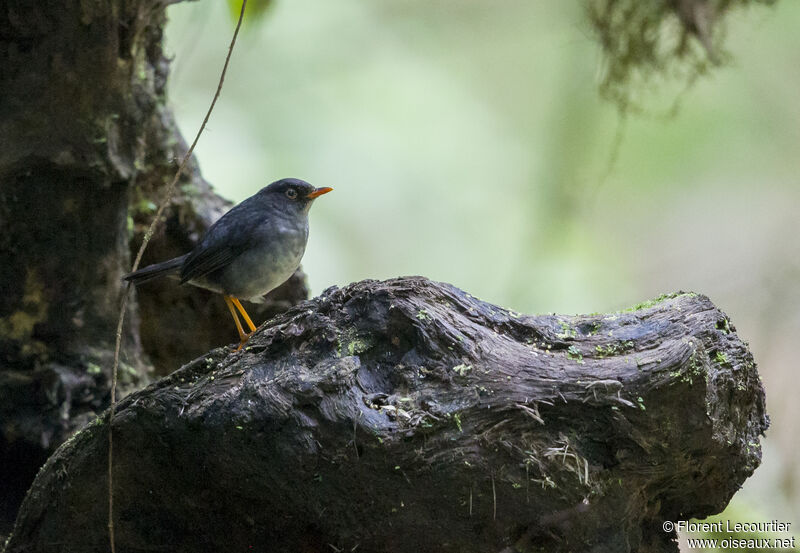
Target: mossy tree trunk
x=87 y=145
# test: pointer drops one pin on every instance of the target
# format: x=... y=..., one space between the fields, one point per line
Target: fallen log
x=407 y=415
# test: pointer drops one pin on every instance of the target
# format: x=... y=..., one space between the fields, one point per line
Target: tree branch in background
x=88 y=142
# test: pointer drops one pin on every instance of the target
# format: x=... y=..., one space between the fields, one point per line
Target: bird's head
x=293 y=192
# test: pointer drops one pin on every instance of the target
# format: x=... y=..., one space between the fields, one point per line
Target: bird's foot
x=243 y=340
x=234 y=304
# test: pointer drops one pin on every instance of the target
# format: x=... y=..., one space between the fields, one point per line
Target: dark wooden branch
x=409 y=416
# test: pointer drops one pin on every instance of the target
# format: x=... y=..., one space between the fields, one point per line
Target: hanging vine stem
x=124 y=302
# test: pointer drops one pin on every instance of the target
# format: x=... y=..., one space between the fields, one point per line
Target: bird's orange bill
x=319 y=192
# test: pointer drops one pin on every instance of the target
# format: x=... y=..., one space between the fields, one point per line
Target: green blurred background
x=468 y=144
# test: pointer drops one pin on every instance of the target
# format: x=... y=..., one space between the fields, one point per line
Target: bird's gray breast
x=274 y=255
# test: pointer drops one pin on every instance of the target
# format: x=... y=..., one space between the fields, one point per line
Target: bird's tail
x=154 y=271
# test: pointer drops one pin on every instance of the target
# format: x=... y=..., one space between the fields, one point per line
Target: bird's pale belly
x=258 y=271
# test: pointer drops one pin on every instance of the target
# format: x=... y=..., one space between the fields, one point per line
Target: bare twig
x=139 y=254
x=494 y=500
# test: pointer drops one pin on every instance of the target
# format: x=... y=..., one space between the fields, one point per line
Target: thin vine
x=126 y=292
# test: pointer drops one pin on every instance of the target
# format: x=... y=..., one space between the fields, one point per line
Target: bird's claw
x=243 y=340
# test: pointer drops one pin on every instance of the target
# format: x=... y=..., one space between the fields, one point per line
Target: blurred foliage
x=254 y=12
x=645 y=41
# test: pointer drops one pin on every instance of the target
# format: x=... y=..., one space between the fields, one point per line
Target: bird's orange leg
x=242 y=336
x=244 y=314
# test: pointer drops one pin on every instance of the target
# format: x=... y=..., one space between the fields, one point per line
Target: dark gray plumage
x=249 y=251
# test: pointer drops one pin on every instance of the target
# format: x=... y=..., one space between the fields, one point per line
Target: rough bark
x=86 y=146
x=407 y=416
x=79 y=82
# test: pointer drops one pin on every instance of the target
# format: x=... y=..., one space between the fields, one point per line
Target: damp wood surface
x=407 y=415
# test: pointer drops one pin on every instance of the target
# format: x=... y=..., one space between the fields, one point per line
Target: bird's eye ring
x=291 y=193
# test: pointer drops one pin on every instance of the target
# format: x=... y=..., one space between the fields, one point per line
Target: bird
x=252 y=249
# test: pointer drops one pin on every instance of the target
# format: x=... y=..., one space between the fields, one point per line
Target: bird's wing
x=204 y=261
x=223 y=242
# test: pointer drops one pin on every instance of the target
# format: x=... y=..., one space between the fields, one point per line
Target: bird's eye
x=291 y=193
